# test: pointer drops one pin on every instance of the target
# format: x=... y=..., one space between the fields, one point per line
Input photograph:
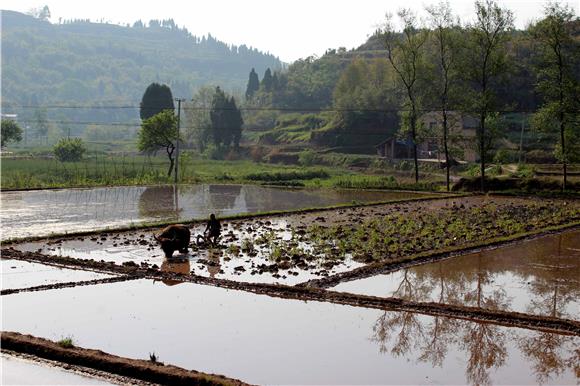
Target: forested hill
x=82 y=62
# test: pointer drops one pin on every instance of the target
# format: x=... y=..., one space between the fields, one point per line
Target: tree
x=405 y=55
x=557 y=82
x=226 y=120
x=267 y=80
x=198 y=126
x=253 y=84
x=485 y=60
x=69 y=149
x=441 y=20
x=11 y=132
x=159 y=132
x=157 y=98
x=235 y=123
x=41 y=124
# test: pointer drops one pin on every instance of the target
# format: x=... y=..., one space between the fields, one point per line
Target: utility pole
x=522 y=139
x=178 y=135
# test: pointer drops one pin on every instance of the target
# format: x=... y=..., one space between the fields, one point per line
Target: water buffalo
x=174 y=238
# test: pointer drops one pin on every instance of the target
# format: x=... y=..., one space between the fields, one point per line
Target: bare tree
x=405 y=52
x=485 y=60
x=443 y=24
x=557 y=82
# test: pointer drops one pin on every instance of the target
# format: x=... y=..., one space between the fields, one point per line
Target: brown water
x=19 y=371
x=43 y=212
x=540 y=276
x=18 y=274
x=266 y=340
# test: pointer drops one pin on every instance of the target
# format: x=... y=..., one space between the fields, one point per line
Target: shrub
x=257 y=153
x=307 y=157
x=69 y=149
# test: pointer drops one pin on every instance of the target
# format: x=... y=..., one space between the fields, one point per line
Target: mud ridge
x=512 y=319
x=70 y=284
x=84 y=371
x=383 y=267
x=148 y=371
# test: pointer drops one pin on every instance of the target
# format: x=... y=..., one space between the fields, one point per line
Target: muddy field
x=413 y=283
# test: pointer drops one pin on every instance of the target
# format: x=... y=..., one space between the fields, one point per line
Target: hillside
x=85 y=63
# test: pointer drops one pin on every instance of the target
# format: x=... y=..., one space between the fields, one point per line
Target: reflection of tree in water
x=223 y=197
x=159 y=202
x=557 y=283
x=485 y=345
x=384 y=329
x=482 y=277
x=429 y=339
x=542 y=352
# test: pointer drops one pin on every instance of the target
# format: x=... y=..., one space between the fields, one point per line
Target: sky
x=289 y=30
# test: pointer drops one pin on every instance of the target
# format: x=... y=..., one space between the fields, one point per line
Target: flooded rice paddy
x=277 y=340
x=264 y=340
x=224 y=262
x=20 y=371
x=300 y=247
x=18 y=274
x=44 y=212
x=539 y=276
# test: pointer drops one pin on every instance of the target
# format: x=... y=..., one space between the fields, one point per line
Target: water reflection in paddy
x=540 y=276
x=266 y=340
x=43 y=212
x=22 y=274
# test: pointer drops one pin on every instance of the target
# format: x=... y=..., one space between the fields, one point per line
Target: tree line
x=477 y=68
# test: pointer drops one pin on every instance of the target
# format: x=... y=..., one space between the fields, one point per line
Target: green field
x=107 y=170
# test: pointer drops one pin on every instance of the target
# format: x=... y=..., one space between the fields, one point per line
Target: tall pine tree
x=157 y=98
x=267 y=81
x=253 y=84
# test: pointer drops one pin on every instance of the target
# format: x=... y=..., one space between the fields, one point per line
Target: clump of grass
x=234 y=249
x=247 y=246
x=66 y=342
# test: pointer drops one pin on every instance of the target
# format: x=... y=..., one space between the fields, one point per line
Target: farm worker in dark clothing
x=214 y=229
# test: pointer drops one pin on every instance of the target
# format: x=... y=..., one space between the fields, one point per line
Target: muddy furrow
x=70 y=284
x=383 y=267
x=148 y=371
x=512 y=319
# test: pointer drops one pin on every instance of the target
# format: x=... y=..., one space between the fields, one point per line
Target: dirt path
x=147 y=371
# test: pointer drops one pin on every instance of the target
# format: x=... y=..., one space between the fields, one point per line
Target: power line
x=287 y=109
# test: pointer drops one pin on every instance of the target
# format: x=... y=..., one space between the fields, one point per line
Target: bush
x=69 y=150
x=505 y=156
x=540 y=157
x=257 y=153
x=287 y=176
x=307 y=157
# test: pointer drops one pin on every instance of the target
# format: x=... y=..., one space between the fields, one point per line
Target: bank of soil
x=148 y=371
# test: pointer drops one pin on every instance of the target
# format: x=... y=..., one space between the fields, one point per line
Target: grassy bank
x=101 y=170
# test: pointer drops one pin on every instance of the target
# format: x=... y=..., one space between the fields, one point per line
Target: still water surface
x=266 y=340
x=18 y=274
x=42 y=212
x=539 y=276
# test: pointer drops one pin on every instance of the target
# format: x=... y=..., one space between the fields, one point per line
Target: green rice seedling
x=247 y=246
